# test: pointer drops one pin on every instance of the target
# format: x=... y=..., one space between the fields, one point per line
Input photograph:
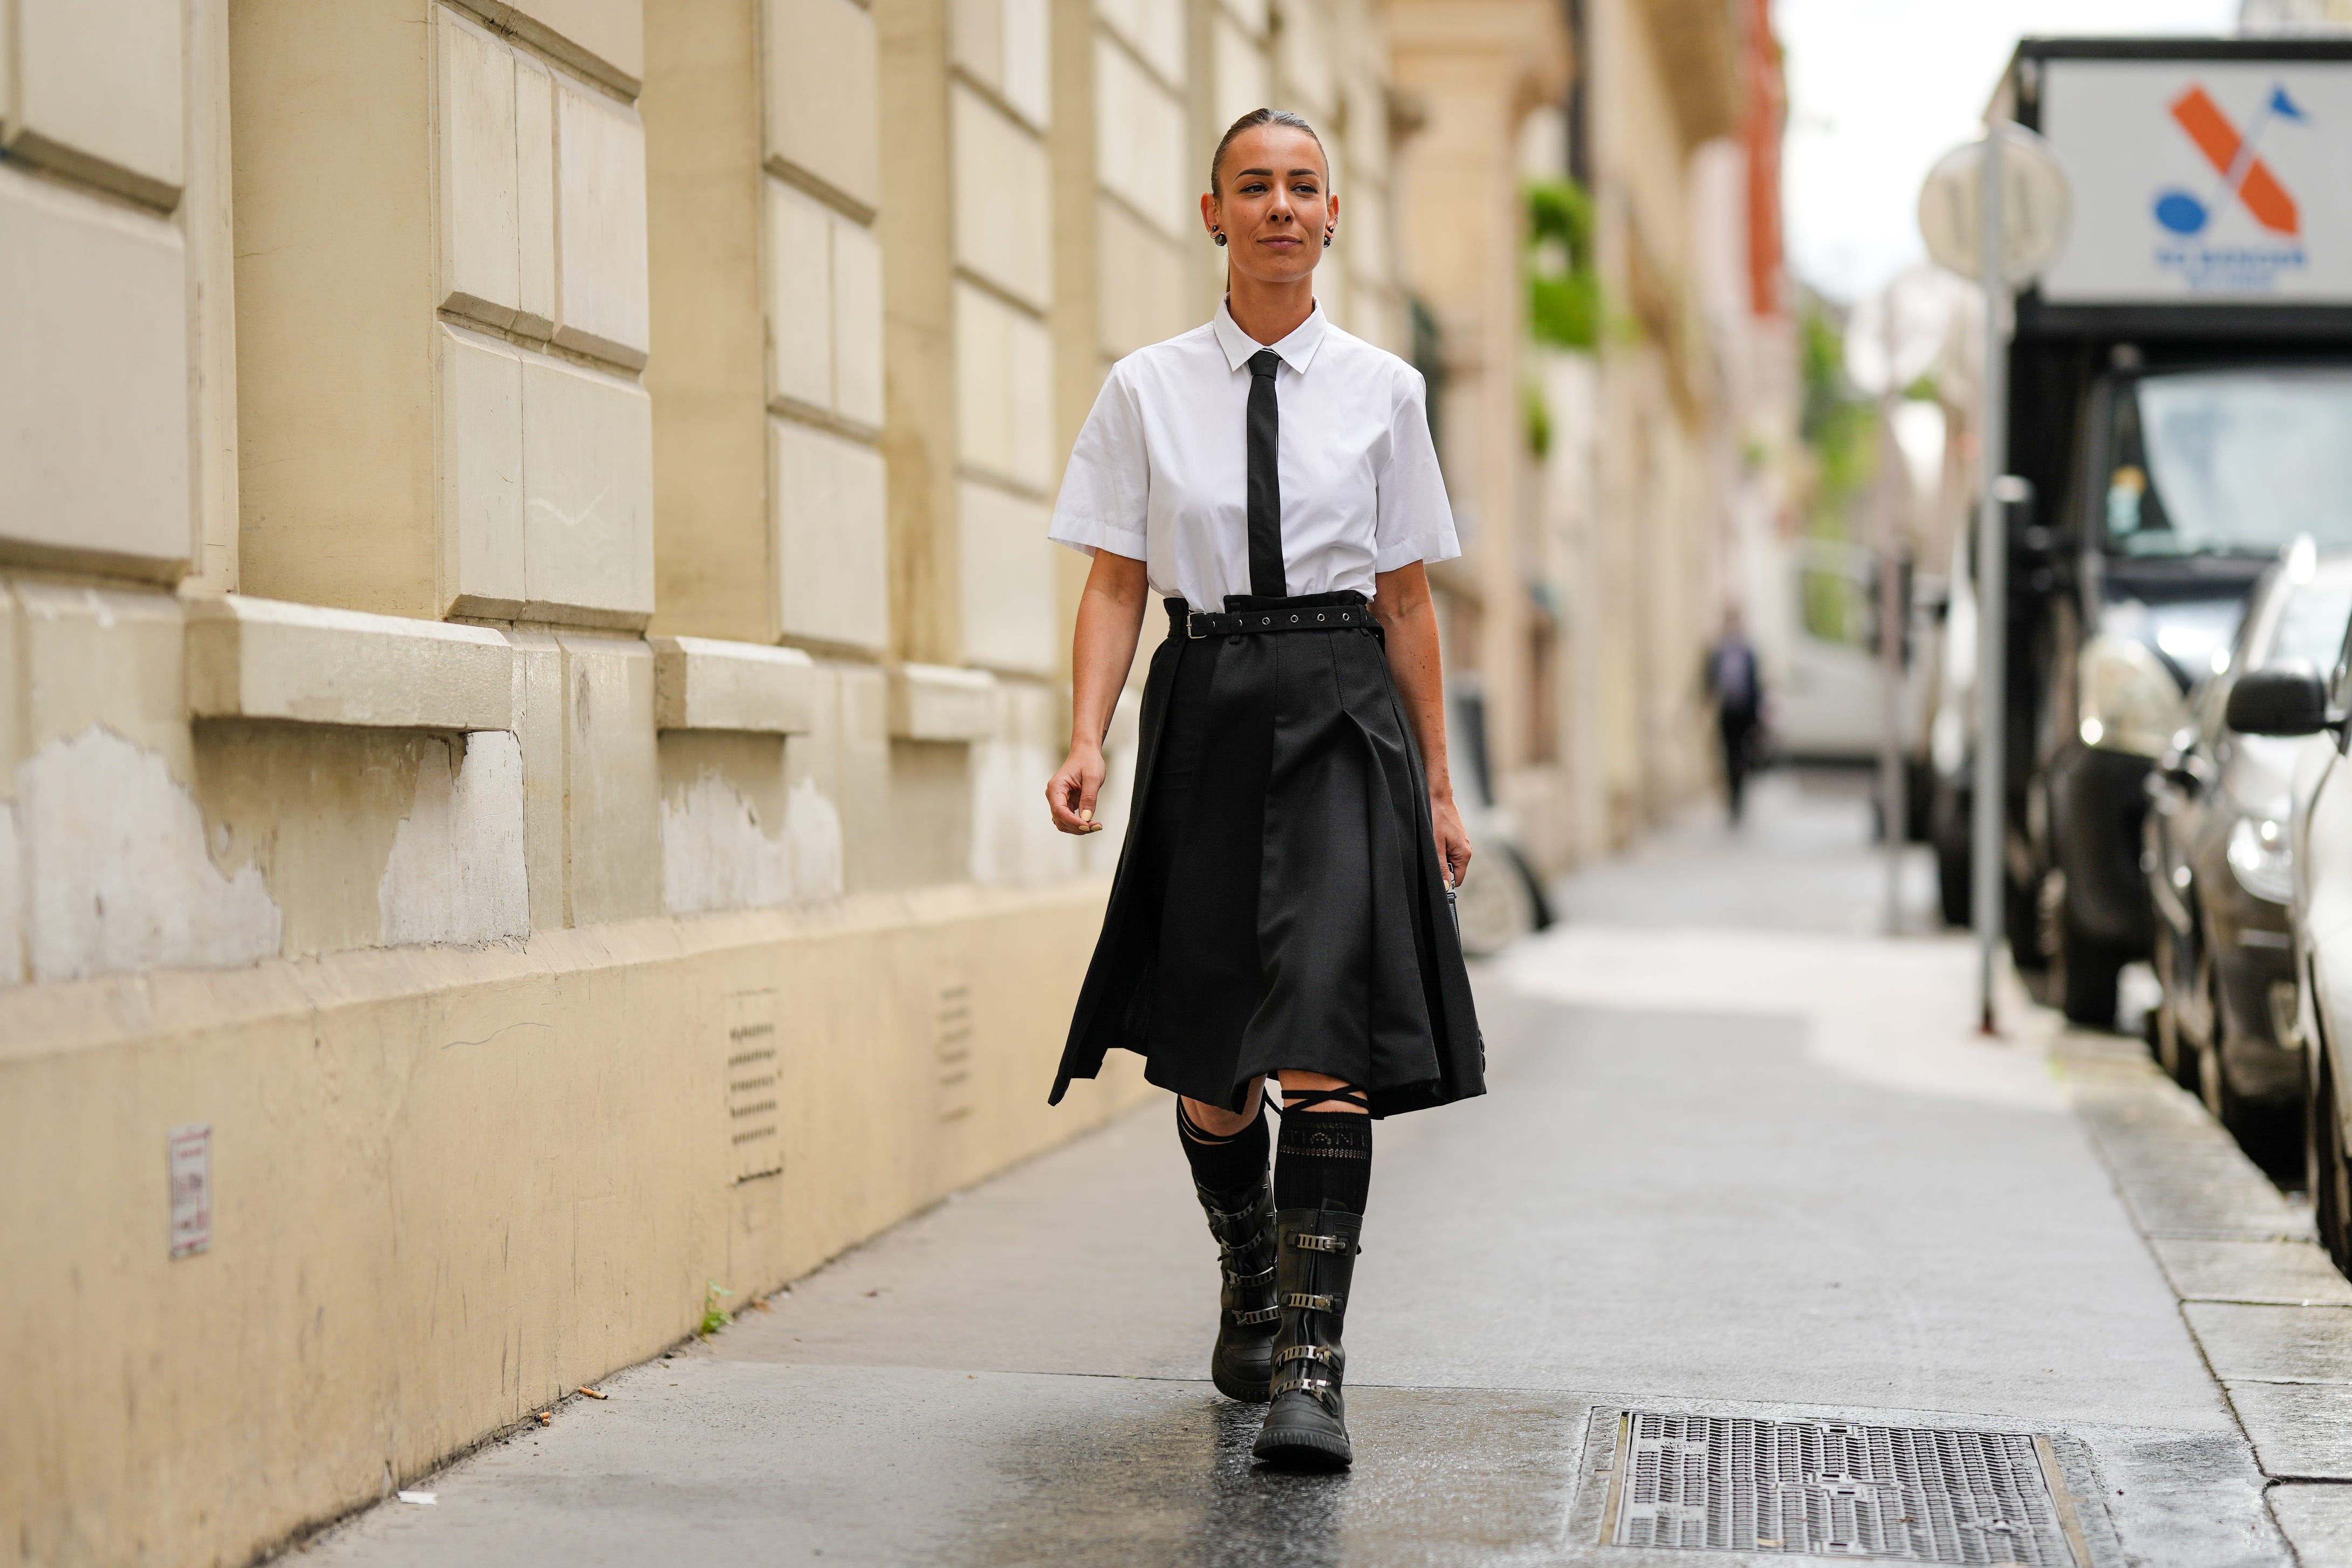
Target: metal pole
x=1988 y=876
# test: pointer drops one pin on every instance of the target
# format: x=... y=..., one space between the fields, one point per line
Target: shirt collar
x=1297 y=350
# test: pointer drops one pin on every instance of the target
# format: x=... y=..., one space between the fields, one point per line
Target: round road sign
x=2035 y=206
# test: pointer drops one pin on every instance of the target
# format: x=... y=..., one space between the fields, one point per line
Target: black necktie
x=1265 y=480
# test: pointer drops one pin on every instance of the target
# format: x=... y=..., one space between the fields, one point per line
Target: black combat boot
x=1242 y=1362
x=1306 y=1426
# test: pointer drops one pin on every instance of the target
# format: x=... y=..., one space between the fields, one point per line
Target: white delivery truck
x=2179 y=411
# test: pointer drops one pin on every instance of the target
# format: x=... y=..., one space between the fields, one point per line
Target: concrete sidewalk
x=1750 y=1172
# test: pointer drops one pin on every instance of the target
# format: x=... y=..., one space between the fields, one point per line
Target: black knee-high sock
x=1231 y=1169
x=1324 y=1160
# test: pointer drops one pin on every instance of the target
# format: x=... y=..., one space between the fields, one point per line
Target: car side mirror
x=2289 y=701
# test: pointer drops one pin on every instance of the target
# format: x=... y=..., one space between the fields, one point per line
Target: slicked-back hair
x=1250 y=121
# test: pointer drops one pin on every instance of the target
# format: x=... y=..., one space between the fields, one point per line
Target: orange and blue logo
x=2244 y=180
x=2237 y=158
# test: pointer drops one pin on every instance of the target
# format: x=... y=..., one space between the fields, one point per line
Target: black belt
x=1326 y=617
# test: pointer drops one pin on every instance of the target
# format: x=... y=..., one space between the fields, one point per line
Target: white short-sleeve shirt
x=1160 y=472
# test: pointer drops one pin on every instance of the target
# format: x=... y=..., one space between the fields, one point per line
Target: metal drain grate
x=1831 y=1489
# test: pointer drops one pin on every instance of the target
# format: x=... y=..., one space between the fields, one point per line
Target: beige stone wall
x=527 y=656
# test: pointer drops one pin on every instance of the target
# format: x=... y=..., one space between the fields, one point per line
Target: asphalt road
x=1744 y=1157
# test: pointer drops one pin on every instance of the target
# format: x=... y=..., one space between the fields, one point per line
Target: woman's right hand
x=1071 y=795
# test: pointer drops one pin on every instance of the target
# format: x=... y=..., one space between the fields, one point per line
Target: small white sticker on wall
x=192 y=1189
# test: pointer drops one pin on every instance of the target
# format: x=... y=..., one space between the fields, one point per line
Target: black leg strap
x=1199 y=1134
x=1307 y=1099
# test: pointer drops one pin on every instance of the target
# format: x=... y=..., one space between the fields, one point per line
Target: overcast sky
x=1879 y=89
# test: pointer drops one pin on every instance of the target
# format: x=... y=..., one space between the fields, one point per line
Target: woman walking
x=1280 y=906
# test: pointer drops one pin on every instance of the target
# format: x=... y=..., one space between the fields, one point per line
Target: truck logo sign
x=2243 y=177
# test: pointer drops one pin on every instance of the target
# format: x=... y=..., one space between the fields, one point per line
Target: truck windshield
x=2231 y=462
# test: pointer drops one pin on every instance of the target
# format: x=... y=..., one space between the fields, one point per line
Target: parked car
x=2294 y=700
x=2220 y=868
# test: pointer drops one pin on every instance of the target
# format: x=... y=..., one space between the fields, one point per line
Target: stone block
x=1142 y=301
x=703 y=683
x=534 y=197
x=1153 y=29
x=1004 y=388
x=1139 y=131
x=94 y=403
x=2271 y=1273
x=831 y=539
x=600 y=305
x=96 y=656
x=539 y=707
x=1253 y=16
x=477 y=143
x=1242 y=78
x=481 y=473
x=1009 y=618
x=933 y=702
x=588 y=538
x=1007 y=43
x=260 y=658
x=1368 y=121
x=611 y=771
x=604 y=40
x=822 y=71
x=800 y=297
x=1303 y=51
x=2299 y=1430
x=857 y=387
x=99 y=94
x=1001 y=230
x=2272 y=1344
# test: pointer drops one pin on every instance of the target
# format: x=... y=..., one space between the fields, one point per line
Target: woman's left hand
x=1452 y=841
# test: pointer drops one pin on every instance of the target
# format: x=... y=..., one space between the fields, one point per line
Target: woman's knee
x=1215 y=1120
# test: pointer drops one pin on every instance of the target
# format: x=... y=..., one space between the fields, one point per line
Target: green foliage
x=714 y=1316
x=1564 y=308
x=1924 y=389
x=1838 y=425
x=1539 y=414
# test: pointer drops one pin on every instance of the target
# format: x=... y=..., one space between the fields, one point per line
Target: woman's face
x=1276 y=206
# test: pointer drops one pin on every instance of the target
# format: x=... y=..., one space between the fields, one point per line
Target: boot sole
x=1248 y=1393
x=1296 y=1449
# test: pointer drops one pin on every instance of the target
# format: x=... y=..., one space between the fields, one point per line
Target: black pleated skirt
x=1279 y=901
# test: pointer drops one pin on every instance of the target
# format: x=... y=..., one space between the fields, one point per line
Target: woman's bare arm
x=1403 y=607
x=1111 y=620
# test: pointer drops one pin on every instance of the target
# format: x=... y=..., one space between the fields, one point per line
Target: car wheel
x=2082 y=970
x=2212 y=1084
x=2324 y=1169
x=1955 y=892
x=1495 y=905
x=2165 y=1043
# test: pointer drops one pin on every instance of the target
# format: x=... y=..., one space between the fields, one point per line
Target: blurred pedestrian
x=1737 y=685
x=1280 y=904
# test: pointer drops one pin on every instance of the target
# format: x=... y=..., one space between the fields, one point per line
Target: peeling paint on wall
x=117 y=876
x=813 y=829
x=456 y=874
x=716 y=855
x=1013 y=840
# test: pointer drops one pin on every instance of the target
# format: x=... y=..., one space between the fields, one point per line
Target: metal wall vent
x=952 y=1040
x=754 y=1092
x=1833 y=1488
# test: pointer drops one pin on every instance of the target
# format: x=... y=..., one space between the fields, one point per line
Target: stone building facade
x=527 y=657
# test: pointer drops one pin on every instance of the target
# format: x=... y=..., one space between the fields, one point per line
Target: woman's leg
x=1322 y=1173
x=1227 y=1152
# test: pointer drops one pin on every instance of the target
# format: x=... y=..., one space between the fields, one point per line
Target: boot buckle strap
x=1261 y=1315
x=1315 y=1304
x=1314 y=1385
x=1316 y=1353
x=1307 y=1243
x=1263 y=1276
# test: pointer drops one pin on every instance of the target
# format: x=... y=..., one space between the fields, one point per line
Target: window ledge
x=934 y=702
x=702 y=684
x=262 y=658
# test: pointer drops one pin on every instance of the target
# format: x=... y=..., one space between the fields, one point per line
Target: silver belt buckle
x=1191 y=616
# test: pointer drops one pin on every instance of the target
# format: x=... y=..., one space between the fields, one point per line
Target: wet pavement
x=1744 y=1157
